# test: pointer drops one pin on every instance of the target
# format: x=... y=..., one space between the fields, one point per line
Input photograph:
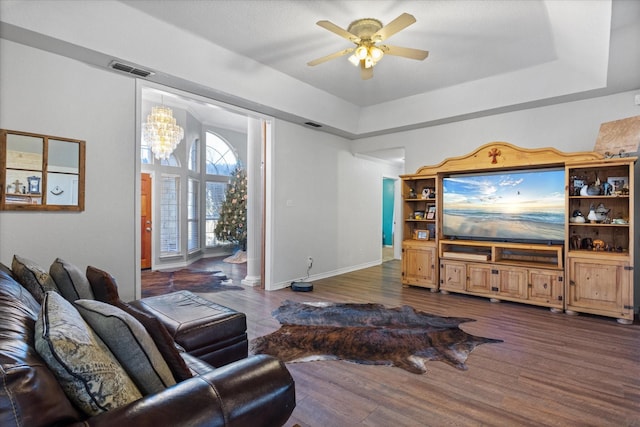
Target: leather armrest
x=257 y=391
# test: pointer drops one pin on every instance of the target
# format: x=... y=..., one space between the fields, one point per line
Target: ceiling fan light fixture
x=376 y=53
x=361 y=52
x=368 y=62
x=365 y=33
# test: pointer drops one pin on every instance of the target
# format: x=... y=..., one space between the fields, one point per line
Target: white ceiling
x=468 y=40
x=486 y=57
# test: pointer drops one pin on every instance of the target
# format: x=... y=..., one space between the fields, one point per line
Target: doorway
x=145 y=221
x=388 y=223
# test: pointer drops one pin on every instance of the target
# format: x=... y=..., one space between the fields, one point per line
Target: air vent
x=314 y=125
x=129 y=69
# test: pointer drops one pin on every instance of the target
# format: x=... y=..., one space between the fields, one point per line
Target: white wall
x=568 y=127
x=49 y=94
x=327 y=204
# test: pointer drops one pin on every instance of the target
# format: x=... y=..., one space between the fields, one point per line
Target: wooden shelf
x=556 y=276
x=520 y=254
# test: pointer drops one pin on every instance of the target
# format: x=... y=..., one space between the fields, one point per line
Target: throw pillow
x=33 y=277
x=163 y=340
x=129 y=341
x=7 y=270
x=70 y=280
x=103 y=285
x=89 y=374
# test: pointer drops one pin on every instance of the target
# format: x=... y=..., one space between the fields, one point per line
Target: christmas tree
x=232 y=225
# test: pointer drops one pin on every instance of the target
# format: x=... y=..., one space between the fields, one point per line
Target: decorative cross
x=494 y=153
x=18 y=185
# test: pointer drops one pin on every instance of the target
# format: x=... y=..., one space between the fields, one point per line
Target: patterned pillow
x=71 y=282
x=103 y=285
x=33 y=277
x=89 y=374
x=129 y=341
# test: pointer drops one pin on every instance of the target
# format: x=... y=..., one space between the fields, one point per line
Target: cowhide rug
x=163 y=282
x=368 y=334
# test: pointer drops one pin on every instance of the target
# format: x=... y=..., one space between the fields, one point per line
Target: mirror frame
x=43 y=206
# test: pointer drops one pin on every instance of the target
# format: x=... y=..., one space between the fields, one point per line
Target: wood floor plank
x=551 y=369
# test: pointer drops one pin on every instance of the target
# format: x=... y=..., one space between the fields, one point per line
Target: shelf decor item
x=619 y=184
x=421 y=234
x=431 y=213
x=34 y=184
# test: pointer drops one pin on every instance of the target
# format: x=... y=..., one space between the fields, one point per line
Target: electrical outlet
x=309 y=262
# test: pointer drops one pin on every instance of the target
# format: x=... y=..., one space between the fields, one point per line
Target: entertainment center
x=535 y=226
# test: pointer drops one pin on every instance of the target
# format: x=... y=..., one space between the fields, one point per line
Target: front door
x=145 y=217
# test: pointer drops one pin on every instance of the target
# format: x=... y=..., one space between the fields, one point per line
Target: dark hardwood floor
x=551 y=369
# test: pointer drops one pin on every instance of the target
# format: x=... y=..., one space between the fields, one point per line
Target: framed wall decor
x=421 y=234
x=33 y=166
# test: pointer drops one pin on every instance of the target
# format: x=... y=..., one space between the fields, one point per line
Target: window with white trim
x=221 y=161
x=193 y=217
x=170 y=215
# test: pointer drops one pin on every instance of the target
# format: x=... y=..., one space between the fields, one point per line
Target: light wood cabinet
x=510 y=282
x=546 y=287
x=479 y=279
x=589 y=271
x=419 y=254
x=532 y=274
x=600 y=246
x=599 y=287
x=419 y=264
x=453 y=276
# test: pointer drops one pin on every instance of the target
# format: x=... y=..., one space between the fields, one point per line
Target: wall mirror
x=41 y=172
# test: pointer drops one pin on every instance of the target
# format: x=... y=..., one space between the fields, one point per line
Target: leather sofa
x=254 y=391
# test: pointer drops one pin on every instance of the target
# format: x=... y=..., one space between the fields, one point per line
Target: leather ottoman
x=209 y=331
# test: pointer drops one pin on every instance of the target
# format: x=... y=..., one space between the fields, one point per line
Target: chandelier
x=161 y=133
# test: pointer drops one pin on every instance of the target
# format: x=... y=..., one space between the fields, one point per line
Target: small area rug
x=163 y=282
x=368 y=334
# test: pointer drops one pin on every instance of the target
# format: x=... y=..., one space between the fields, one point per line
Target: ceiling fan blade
x=327 y=25
x=365 y=73
x=405 y=52
x=400 y=23
x=330 y=57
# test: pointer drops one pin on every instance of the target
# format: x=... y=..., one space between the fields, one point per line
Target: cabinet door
x=600 y=288
x=479 y=278
x=418 y=266
x=453 y=275
x=546 y=286
x=509 y=282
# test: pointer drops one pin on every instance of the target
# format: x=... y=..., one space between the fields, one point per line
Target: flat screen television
x=525 y=206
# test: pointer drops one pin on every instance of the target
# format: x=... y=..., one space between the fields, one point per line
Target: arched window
x=221 y=161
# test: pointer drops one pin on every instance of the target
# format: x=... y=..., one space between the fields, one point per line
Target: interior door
x=145 y=218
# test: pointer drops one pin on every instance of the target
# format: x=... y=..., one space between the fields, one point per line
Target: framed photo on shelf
x=421 y=234
x=618 y=183
x=431 y=213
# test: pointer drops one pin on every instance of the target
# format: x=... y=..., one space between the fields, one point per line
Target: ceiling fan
x=365 y=34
